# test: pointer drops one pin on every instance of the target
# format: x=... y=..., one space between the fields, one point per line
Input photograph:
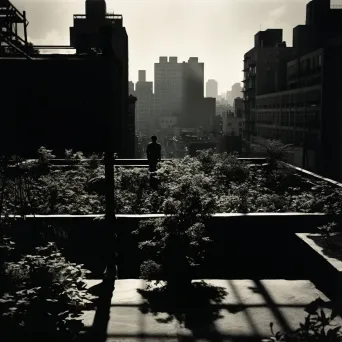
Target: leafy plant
x=233 y=185
x=175 y=245
x=327 y=229
x=317 y=327
x=45 y=294
x=45 y=155
x=276 y=151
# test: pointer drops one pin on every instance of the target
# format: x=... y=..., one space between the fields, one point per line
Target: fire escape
x=11 y=43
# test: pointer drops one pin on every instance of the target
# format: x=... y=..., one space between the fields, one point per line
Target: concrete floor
x=247 y=307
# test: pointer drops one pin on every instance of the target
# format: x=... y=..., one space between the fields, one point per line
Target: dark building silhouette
x=145 y=121
x=65 y=100
x=193 y=92
x=305 y=110
x=88 y=33
x=238 y=107
x=264 y=70
x=49 y=110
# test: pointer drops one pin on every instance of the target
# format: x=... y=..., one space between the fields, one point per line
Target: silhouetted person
x=153 y=152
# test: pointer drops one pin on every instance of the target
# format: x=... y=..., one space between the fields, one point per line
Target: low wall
x=243 y=243
x=124 y=162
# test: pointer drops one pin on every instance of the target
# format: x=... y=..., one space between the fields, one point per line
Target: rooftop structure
x=11 y=43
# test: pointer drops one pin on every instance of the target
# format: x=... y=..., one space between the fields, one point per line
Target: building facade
x=97 y=31
x=306 y=110
x=264 y=71
x=54 y=113
x=231 y=125
x=179 y=95
x=145 y=105
x=168 y=87
x=238 y=107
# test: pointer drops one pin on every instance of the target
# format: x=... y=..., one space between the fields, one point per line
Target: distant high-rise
x=144 y=120
x=179 y=94
x=168 y=87
x=142 y=75
x=97 y=30
x=211 y=88
x=193 y=88
x=236 y=91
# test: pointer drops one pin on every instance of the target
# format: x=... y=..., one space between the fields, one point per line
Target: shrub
x=316 y=328
x=327 y=229
x=233 y=184
x=45 y=294
x=175 y=245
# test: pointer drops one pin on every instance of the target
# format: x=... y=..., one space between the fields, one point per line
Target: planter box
x=244 y=244
x=325 y=269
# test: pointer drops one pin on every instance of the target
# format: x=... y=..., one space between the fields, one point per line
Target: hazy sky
x=219 y=32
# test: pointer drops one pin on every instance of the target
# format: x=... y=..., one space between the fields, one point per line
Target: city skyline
x=162 y=29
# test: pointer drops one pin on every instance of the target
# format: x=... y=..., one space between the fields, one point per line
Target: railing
x=108 y=16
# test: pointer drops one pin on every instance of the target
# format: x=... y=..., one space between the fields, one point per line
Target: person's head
x=154 y=138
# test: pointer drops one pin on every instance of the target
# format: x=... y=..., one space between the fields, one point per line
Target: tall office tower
x=168 y=87
x=144 y=121
x=193 y=88
x=179 y=95
x=236 y=91
x=211 y=89
x=97 y=30
x=264 y=71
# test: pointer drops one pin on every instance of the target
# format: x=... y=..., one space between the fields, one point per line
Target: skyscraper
x=92 y=32
x=144 y=107
x=168 y=87
x=193 y=93
x=211 y=88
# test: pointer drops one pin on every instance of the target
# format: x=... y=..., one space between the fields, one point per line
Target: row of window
x=289 y=136
x=291 y=105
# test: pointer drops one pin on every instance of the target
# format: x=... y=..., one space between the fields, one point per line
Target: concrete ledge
x=314 y=175
x=149 y=216
x=326 y=271
x=126 y=162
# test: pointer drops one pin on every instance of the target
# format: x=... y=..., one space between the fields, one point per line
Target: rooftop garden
x=232 y=184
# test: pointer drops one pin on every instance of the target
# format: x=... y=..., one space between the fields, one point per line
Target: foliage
x=317 y=327
x=235 y=185
x=174 y=245
x=45 y=155
x=276 y=151
x=327 y=229
x=44 y=294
